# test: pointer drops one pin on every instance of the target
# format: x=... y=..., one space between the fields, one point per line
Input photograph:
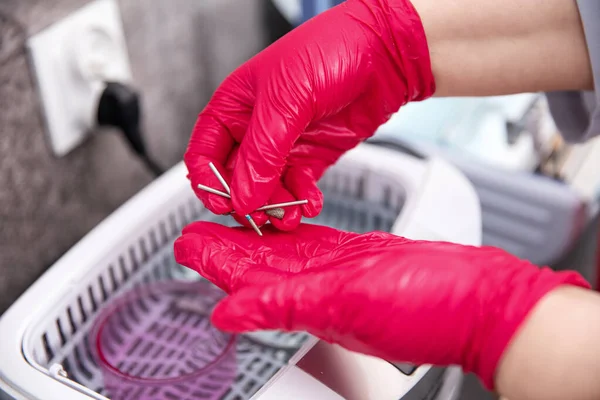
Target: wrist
x=406 y=55
x=559 y=339
x=517 y=289
x=480 y=49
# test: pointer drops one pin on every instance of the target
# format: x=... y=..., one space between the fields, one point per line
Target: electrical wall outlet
x=72 y=59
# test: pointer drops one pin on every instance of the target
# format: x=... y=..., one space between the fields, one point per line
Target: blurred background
x=179 y=51
x=55 y=190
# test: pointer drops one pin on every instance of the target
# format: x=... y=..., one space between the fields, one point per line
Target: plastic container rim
x=156 y=287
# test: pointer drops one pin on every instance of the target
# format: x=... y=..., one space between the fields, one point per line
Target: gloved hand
x=376 y=293
x=278 y=121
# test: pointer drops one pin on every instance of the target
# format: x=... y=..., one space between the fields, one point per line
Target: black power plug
x=119 y=107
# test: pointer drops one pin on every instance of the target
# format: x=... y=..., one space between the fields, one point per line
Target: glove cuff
x=526 y=286
x=398 y=26
x=411 y=47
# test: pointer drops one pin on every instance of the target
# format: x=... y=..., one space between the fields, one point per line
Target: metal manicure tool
x=273 y=210
x=267 y=208
x=226 y=187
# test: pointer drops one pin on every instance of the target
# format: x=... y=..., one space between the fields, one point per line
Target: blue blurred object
x=505 y=131
x=299 y=11
x=310 y=8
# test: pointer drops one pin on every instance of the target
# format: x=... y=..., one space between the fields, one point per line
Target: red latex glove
x=278 y=121
x=377 y=293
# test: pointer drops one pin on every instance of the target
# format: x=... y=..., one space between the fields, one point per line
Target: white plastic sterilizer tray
x=45 y=353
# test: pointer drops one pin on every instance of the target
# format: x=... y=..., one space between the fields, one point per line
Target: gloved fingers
x=203 y=175
x=259 y=218
x=218 y=130
x=202 y=256
x=317 y=149
x=231 y=159
x=213 y=251
x=224 y=120
x=227 y=269
x=252 y=275
x=277 y=122
x=307 y=240
x=237 y=238
x=210 y=139
x=300 y=182
x=310 y=247
x=230 y=267
x=292 y=214
x=370 y=241
x=294 y=304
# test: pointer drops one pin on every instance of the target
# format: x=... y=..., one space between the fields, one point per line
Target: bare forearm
x=556 y=353
x=486 y=47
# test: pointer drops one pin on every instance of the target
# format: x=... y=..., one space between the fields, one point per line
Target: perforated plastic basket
x=44 y=346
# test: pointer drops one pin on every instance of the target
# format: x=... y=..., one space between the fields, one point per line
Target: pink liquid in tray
x=157 y=343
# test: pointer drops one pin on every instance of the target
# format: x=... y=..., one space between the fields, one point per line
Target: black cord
x=152 y=166
x=120 y=107
x=119 y=104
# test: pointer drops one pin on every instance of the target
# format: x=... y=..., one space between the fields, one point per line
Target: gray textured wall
x=179 y=49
